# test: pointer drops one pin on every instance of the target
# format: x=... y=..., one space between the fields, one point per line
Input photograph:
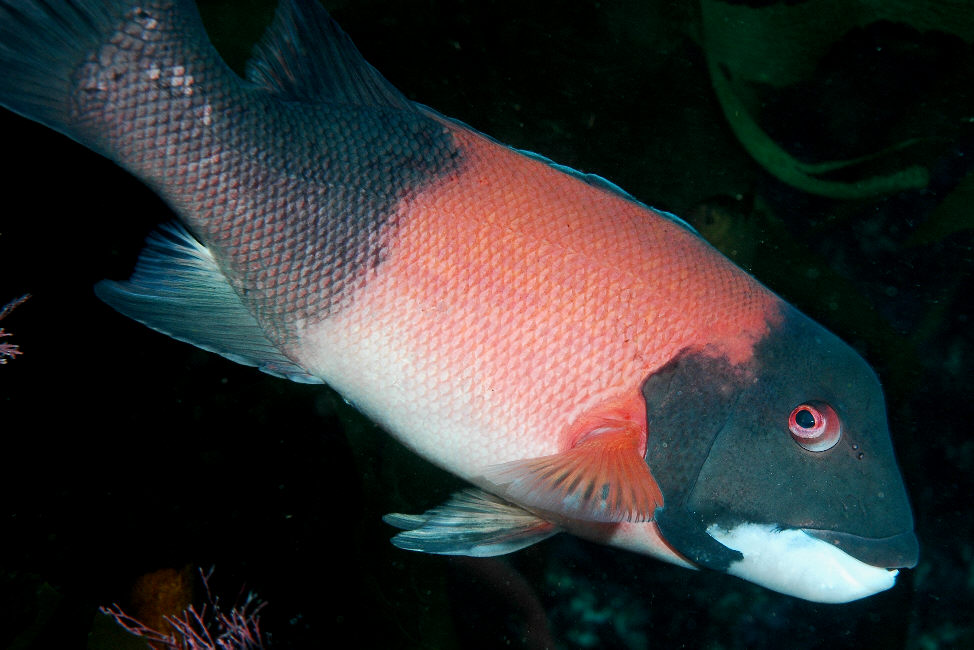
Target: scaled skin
x=516 y=300
x=484 y=306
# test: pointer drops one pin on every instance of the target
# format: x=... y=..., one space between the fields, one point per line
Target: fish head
x=780 y=469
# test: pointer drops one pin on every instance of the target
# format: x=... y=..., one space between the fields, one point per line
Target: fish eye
x=815 y=426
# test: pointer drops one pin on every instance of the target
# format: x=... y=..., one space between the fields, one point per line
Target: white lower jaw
x=793 y=563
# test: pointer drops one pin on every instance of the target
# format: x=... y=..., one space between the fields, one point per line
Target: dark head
x=780 y=470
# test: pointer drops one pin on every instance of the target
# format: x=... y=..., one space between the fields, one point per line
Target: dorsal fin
x=605 y=184
x=305 y=56
x=586 y=177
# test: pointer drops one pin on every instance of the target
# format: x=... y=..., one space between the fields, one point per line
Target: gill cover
x=744 y=490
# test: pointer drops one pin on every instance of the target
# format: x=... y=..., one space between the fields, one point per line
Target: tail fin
x=45 y=43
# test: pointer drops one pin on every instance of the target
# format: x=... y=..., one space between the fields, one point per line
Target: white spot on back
x=207 y=114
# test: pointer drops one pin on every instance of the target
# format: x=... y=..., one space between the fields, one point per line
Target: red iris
x=815 y=426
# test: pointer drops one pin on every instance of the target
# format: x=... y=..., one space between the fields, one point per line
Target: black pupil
x=805 y=419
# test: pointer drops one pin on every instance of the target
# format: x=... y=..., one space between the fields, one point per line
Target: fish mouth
x=816 y=565
x=895 y=552
x=794 y=562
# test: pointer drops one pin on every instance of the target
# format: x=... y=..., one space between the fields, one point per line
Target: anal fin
x=179 y=289
x=472 y=522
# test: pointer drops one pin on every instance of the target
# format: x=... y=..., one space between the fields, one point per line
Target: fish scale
x=587 y=363
x=524 y=291
x=181 y=120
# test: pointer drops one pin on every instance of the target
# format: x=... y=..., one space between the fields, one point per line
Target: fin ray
x=43 y=44
x=305 y=56
x=178 y=289
x=602 y=478
x=472 y=522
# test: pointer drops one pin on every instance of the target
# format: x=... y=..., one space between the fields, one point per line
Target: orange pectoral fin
x=602 y=478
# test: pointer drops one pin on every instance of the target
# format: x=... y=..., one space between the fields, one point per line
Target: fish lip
x=793 y=562
x=900 y=551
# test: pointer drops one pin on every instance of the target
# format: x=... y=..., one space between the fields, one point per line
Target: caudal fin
x=44 y=45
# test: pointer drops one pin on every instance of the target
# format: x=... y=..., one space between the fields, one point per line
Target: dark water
x=124 y=452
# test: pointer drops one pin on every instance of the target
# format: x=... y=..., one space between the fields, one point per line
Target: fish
x=587 y=363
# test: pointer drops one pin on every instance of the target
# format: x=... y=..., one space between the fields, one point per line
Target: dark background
x=124 y=452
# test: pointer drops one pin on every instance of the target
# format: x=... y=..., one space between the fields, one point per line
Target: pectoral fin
x=604 y=478
x=472 y=522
